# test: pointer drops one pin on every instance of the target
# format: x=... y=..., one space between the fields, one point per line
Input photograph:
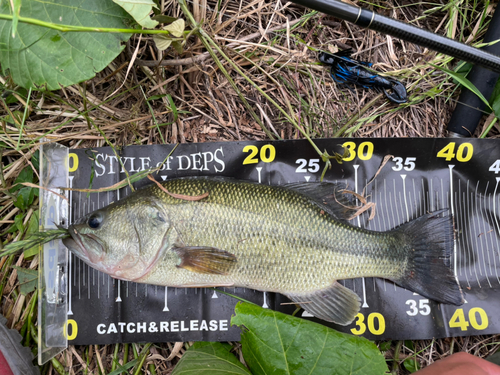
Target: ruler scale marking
x=480 y=236
x=482 y=239
x=393 y=224
x=475 y=232
x=403 y=177
x=494 y=199
x=485 y=230
x=467 y=238
x=458 y=241
x=492 y=235
x=376 y=223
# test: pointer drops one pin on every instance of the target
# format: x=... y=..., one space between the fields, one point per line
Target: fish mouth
x=75 y=244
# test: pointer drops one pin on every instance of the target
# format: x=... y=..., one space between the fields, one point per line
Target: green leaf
x=162 y=41
x=173 y=107
x=385 y=346
x=12 y=229
x=123 y=369
x=156 y=97
x=20 y=203
x=464 y=82
x=26 y=175
x=28 y=279
x=140 y=10
x=276 y=343
x=496 y=92
x=15 y=118
x=10 y=99
x=25 y=197
x=411 y=364
x=40 y=56
x=32 y=228
x=18 y=220
x=35 y=160
x=495 y=99
x=178 y=47
x=496 y=106
x=409 y=344
x=211 y=358
x=164 y=19
x=176 y=28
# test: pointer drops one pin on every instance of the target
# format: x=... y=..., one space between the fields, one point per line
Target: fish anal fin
x=336 y=304
x=203 y=259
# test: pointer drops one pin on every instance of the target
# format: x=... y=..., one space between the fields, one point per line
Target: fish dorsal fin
x=336 y=304
x=204 y=259
x=329 y=196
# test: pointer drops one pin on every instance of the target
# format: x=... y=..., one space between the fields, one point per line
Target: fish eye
x=160 y=217
x=95 y=221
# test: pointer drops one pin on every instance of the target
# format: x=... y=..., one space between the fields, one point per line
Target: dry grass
x=274 y=44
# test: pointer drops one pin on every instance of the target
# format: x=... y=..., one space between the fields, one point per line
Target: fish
x=293 y=239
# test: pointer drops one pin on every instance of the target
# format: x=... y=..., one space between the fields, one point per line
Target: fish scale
x=294 y=240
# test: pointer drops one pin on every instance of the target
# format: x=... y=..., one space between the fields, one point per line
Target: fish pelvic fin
x=428 y=271
x=205 y=259
x=336 y=304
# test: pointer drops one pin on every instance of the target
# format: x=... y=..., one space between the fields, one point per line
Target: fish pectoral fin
x=336 y=304
x=203 y=259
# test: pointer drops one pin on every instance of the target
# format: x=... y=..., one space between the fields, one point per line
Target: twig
x=29 y=184
x=179 y=196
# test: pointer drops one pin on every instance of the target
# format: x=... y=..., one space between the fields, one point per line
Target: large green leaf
x=210 y=358
x=276 y=343
x=38 y=56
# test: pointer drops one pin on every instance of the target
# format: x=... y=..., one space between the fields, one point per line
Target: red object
x=4 y=366
x=461 y=364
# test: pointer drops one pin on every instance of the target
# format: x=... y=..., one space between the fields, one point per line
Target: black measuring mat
x=424 y=175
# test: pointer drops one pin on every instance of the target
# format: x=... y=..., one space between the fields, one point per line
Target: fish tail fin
x=430 y=240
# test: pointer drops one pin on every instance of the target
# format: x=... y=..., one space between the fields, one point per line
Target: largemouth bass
x=292 y=239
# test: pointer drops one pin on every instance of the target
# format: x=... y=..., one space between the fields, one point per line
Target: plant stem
x=485 y=133
x=21 y=128
x=142 y=358
x=85 y=29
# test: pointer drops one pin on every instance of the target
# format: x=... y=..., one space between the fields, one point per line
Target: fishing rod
x=373 y=21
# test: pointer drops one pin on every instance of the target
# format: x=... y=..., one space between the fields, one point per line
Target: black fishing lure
x=349 y=71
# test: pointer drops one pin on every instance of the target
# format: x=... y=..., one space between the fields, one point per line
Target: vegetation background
x=260 y=79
